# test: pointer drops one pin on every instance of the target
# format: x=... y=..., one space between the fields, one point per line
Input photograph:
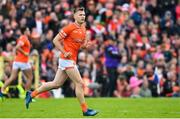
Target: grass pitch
x=107 y=107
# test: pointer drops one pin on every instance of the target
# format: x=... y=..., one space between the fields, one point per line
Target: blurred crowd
x=135 y=51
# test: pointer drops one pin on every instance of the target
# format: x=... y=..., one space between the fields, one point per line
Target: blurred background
x=135 y=51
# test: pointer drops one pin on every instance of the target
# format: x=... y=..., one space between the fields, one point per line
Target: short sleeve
x=65 y=31
x=21 y=41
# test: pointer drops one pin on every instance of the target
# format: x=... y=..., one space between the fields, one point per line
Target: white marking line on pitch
x=90 y=118
x=127 y=111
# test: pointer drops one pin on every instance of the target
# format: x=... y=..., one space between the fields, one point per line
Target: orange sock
x=84 y=107
x=34 y=94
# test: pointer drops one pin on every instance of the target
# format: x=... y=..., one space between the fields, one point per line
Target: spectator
x=122 y=89
x=112 y=60
x=134 y=84
x=145 y=91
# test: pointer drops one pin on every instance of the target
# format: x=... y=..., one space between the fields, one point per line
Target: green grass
x=108 y=107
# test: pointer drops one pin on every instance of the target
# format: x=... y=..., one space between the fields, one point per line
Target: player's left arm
x=87 y=43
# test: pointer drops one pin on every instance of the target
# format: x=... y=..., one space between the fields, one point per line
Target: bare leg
x=29 y=77
x=58 y=81
x=75 y=76
x=9 y=81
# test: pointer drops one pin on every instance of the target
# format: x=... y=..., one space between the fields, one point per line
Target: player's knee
x=80 y=84
x=30 y=78
x=12 y=78
x=56 y=85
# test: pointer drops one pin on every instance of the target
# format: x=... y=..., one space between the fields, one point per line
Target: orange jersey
x=74 y=37
x=25 y=46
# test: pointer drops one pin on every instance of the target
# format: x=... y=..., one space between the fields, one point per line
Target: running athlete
x=69 y=40
x=20 y=62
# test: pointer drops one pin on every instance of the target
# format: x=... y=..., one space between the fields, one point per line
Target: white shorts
x=21 y=65
x=66 y=64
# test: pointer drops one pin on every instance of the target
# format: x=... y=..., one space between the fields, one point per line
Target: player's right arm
x=57 y=41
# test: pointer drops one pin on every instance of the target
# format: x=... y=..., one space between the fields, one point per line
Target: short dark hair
x=23 y=29
x=78 y=9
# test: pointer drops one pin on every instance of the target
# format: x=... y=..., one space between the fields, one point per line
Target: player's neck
x=78 y=24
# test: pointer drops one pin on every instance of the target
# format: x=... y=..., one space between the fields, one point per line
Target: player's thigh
x=74 y=75
x=60 y=77
x=28 y=73
x=14 y=74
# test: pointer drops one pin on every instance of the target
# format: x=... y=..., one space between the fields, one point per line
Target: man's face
x=27 y=32
x=80 y=17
